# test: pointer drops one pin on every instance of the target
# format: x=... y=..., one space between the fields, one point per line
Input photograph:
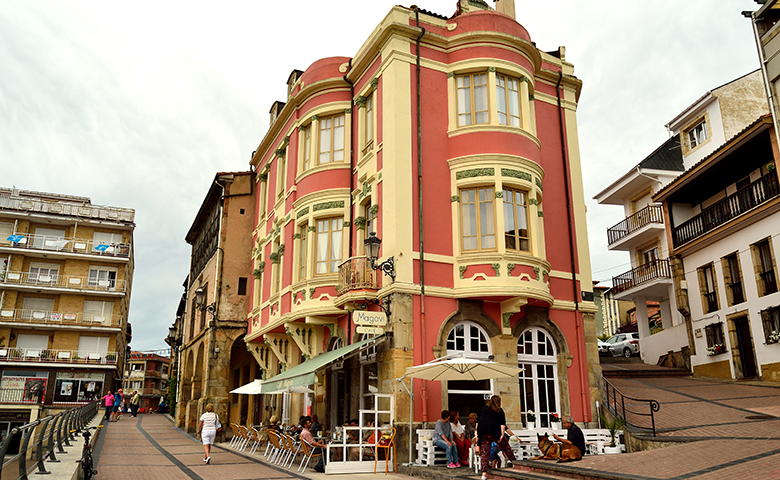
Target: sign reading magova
x=372 y=319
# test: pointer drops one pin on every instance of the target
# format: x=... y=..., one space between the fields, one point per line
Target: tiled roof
x=666 y=157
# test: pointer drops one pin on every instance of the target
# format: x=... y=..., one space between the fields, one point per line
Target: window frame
x=515 y=210
x=477 y=203
x=471 y=95
x=714 y=335
x=303 y=253
x=770 y=321
x=536 y=359
x=696 y=141
x=368 y=124
x=332 y=134
x=306 y=135
x=732 y=270
x=708 y=286
x=329 y=261
x=504 y=92
x=762 y=254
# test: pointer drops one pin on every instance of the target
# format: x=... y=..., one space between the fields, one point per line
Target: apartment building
x=669 y=216
x=66 y=271
x=478 y=217
x=148 y=374
x=211 y=319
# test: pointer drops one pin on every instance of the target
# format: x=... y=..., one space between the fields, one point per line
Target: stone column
x=666 y=315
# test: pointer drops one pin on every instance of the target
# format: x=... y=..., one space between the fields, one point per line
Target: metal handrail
x=356 y=273
x=57 y=280
x=67 y=244
x=649 y=214
x=616 y=404
x=50 y=355
x=48 y=435
x=58 y=318
x=655 y=269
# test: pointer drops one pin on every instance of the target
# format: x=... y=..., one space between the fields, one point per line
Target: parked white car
x=603 y=347
x=625 y=344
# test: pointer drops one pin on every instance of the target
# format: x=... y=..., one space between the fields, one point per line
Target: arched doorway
x=471 y=340
x=243 y=409
x=537 y=355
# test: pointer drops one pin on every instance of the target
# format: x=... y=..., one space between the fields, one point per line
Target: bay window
x=472 y=98
x=508 y=100
x=331 y=139
x=515 y=220
x=328 y=246
x=303 y=246
x=477 y=218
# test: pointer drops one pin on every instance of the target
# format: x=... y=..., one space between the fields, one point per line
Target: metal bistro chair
x=254 y=440
x=388 y=444
x=269 y=434
x=308 y=453
x=293 y=448
x=235 y=438
x=244 y=438
x=275 y=446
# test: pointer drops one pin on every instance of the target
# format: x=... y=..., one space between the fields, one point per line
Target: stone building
x=66 y=272
x=455 y=140
x=148 y=374
x=214 y=314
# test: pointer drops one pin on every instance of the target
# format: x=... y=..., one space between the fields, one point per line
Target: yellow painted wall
x=713 y=370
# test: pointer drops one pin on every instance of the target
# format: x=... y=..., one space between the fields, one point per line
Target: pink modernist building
x=455 y=140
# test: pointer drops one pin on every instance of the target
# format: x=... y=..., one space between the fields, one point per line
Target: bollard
x=39 y=446
x=50 y=445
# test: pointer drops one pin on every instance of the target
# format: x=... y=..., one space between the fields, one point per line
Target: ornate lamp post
x=372 y=244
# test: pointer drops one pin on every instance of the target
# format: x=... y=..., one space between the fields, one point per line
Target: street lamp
x=199 y=299
x=372 y=244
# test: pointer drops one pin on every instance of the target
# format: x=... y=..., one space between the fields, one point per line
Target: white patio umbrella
x=455 y=368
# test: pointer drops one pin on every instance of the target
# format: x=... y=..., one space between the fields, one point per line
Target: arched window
x=471 y=340
x=539 y=392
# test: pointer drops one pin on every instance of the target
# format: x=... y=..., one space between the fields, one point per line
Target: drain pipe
x=578 y=327
x=352 y=139
x=420 y=223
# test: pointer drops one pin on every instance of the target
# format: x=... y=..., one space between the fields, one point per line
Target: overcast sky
x=138 y=104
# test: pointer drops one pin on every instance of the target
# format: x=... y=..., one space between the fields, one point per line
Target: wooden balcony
x=727 y=209
x=356 y=274
x=650 y=280
x=636 y=229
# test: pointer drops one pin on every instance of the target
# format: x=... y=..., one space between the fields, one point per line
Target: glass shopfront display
x=73 y=387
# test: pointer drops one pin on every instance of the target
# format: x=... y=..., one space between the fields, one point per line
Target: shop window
x=328 y=246
x=770 y=318
x=515 y=220
x=732 y=277
x=765 y=267
x=508 y=100
x=708 y=288
x=331 y=140
x=477 y=213
x=472 y=99
x=716 y=344
x=537 y=356
x=78 y=387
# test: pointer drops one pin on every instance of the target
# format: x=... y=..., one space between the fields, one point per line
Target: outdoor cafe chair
x=275 y=446
x=254 y=440
x=235 y=438
x=270 y=434
x=388 y=444
x=308 y=453
x=292 y=447
x=244 y=438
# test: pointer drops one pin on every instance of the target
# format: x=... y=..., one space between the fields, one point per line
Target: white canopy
x=251 y=388
x=461 y=368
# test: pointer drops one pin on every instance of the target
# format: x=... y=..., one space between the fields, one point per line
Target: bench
x=427 y=452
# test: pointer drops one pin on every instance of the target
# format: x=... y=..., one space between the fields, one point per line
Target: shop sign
x=369 y=330
x=369 y=319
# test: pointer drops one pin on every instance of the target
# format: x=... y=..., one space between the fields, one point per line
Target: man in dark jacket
x=491 y=427
x=574 y=435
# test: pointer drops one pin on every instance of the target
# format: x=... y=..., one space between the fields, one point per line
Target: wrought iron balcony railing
x=734 y=205
x=56 y=280
x=649 y=214
x=356 y=274
x=48 y=355
x=655 y=270
x=66 y=245
x=58 y=318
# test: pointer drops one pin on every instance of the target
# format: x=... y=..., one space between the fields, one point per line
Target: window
x=276 y=267
x=765 y=270
x=6 y=230
x=770 y=318
x=477 y=219
x=305 y=147
x=732 y=276
x=34 y=308
x=136 y=366
x=708 y=288
x=539 y=393
x=649 y=255
x=303 y=250
x=102 y=277
x=242 y=285
x=328 y=246
x=263 y=197
x=43 y=273
x=716 y=343
x=472 y=98
x=98 y=312
x=49 y=238
x=331 y=137
x=515 y=220
x=369 y=217
x=281 y=174
x=37 y=342
x=471 y=340
x=93 y=348
x=697 y=134
x=368 y=122
x=508 y=100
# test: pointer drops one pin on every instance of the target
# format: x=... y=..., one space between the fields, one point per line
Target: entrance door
x=747 y=357
x=466 y=396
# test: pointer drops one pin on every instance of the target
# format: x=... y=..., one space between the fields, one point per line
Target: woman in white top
x=208 y=427
x=459 y=437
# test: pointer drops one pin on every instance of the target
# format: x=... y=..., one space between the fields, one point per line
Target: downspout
x=420 y=222
x=352 y=140
x=578 y=327
x=762 y=60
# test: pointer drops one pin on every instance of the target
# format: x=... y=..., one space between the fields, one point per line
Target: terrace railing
x=48 y=355
x=654 y=270
x=734 y=205
x=56 y=280
x=59 y=318
x=649 y=214
x=67 y=245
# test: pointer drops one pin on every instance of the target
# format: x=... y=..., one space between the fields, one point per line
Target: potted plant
x=613 y=425
x=530 y=420
x=555 y=421
x=773 y=337
x=716 y=349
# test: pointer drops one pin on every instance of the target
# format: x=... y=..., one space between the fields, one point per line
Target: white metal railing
x=71 y=209
x=66 y=244
x=56 y=280
x=58 y=356
x=58 y=318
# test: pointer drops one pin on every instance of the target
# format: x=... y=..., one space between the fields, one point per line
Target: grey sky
x=138 y=104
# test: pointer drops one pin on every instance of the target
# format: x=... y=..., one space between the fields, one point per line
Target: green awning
x=305 y=373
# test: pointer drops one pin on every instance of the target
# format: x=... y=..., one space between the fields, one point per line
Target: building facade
x=66 y=272
x=213 y=318
x=455 y=141
x=147 y=373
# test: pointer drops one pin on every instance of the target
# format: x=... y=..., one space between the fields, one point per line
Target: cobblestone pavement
x=149 y=447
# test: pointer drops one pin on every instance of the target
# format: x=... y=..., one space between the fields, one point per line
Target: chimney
x=507 y=7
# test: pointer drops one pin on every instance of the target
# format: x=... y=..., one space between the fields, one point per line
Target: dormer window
x=276 y=109
x=697 y=134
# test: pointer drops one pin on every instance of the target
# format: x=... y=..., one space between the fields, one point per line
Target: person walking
x=118 y=398
x=442 y=438
x=208 y=427
x=108 y=403
x=491 y=428
x=135 y=402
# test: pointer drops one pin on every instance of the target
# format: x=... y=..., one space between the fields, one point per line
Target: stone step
x=650 y=371
x=542 y=470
